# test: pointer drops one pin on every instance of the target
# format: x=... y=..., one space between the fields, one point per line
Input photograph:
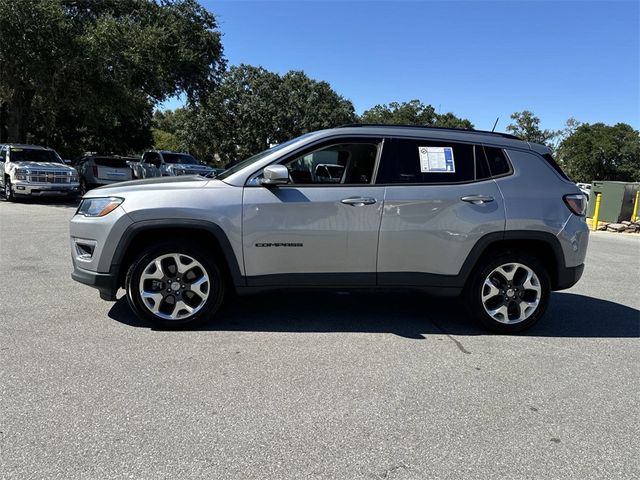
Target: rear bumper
x=105 y=283
x=568 y=277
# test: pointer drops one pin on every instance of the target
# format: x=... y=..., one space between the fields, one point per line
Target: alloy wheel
x=174 y=286
x=511 y=293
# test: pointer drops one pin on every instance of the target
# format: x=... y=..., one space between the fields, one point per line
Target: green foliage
x=82 y=74
x=167 y=129
x=527 y=127
x=163 y=140
x=413 y=113
x=254 y=108
x=601 y=152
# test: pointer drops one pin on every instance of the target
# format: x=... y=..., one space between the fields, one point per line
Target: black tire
x=513 y=298
x=83 y=188
x=7 y=192
x=215 y=289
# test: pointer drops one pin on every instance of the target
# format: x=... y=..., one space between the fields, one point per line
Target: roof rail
x=451 y=129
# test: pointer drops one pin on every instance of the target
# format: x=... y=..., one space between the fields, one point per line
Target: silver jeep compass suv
x=447 y=211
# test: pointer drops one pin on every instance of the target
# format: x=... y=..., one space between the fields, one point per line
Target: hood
x=44 y=166
x=156 y=184
x=190 y=166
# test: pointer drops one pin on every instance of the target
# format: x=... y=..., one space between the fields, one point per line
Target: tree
x=253 y=109
x=81 y=73
x=413 y=112
x=527 y=127
x=33 y=39
x=601 y=152
x=167 y=129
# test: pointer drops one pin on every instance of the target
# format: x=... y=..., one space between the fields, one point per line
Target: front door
x=324 y=223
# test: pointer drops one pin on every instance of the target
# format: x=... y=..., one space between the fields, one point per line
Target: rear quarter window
x=497 y=160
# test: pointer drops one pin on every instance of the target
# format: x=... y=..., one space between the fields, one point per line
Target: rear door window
x=426 y=162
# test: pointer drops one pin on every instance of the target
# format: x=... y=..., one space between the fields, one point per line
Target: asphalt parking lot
x=323 y=385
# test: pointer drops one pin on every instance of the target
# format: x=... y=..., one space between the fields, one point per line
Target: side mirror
x=275 y=175
x=67 y=161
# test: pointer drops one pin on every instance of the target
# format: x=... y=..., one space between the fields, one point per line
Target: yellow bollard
x=596 y=212
x=634 y=215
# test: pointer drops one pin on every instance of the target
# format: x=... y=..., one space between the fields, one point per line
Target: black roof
x=464 y=130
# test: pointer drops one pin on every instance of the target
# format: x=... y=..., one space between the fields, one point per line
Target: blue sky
x=477 y=59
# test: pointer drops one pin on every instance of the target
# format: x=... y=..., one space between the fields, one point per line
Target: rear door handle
x=358 y=201
x=477 y=199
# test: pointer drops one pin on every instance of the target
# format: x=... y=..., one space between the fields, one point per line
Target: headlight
x=21 y=174
x=98 y=207
x=74 y=177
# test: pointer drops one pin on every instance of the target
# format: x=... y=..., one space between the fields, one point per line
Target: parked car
x=33 y=171
x=134 y=165
x=166 y=164
x=585 y=188
x=447 y=211
x=98 y=170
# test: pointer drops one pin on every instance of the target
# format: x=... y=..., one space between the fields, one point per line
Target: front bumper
x=105 y=283
x=45 y=189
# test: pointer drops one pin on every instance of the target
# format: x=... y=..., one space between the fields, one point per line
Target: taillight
x=577 y=203
x=95 y=170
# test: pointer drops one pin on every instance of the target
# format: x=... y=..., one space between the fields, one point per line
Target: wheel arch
x=543 y=245
x=208 y=234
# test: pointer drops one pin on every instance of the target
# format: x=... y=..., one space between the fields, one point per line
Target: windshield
x=33 y=155
x=259 y=156
x=179 y=158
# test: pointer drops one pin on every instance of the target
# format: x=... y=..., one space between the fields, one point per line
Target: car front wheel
x=8 y=191
x=509 y=292
x=175 y=286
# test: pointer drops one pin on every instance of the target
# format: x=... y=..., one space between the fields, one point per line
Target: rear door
x=439 y=201
x=322 y=228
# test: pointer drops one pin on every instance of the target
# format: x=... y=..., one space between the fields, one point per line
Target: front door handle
x=358 y=201
x=477 y=199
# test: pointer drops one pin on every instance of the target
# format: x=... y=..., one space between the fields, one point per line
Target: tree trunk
x=3 y=122
x=19 y=109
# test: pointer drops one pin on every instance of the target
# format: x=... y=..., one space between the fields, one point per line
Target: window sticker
x=437 y=160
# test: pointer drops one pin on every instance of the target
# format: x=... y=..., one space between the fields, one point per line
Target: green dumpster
x=617 y=199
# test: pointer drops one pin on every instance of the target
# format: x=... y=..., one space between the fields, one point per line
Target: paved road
x=311 y=386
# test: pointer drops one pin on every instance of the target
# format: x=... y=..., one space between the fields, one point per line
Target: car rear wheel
x=175 y=286
x=509 y=292
x=83 y=187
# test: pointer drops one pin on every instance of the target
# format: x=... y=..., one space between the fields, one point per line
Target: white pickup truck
x=161 y=163
x=31 y=170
